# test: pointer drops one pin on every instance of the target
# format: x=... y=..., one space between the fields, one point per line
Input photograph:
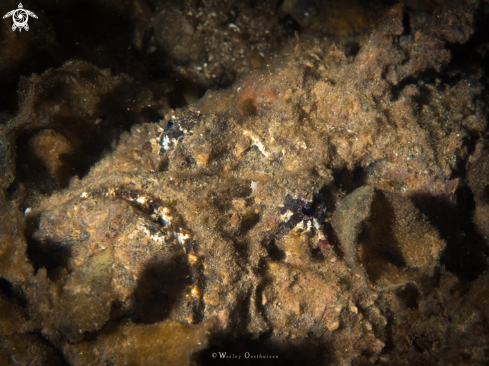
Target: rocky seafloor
x=243 y=182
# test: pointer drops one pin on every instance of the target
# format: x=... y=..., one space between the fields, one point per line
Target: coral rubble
x=330 y=206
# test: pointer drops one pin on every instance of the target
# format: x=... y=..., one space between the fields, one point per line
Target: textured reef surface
x=229 y=182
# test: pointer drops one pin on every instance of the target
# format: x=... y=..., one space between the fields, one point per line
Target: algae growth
x=301 y=181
